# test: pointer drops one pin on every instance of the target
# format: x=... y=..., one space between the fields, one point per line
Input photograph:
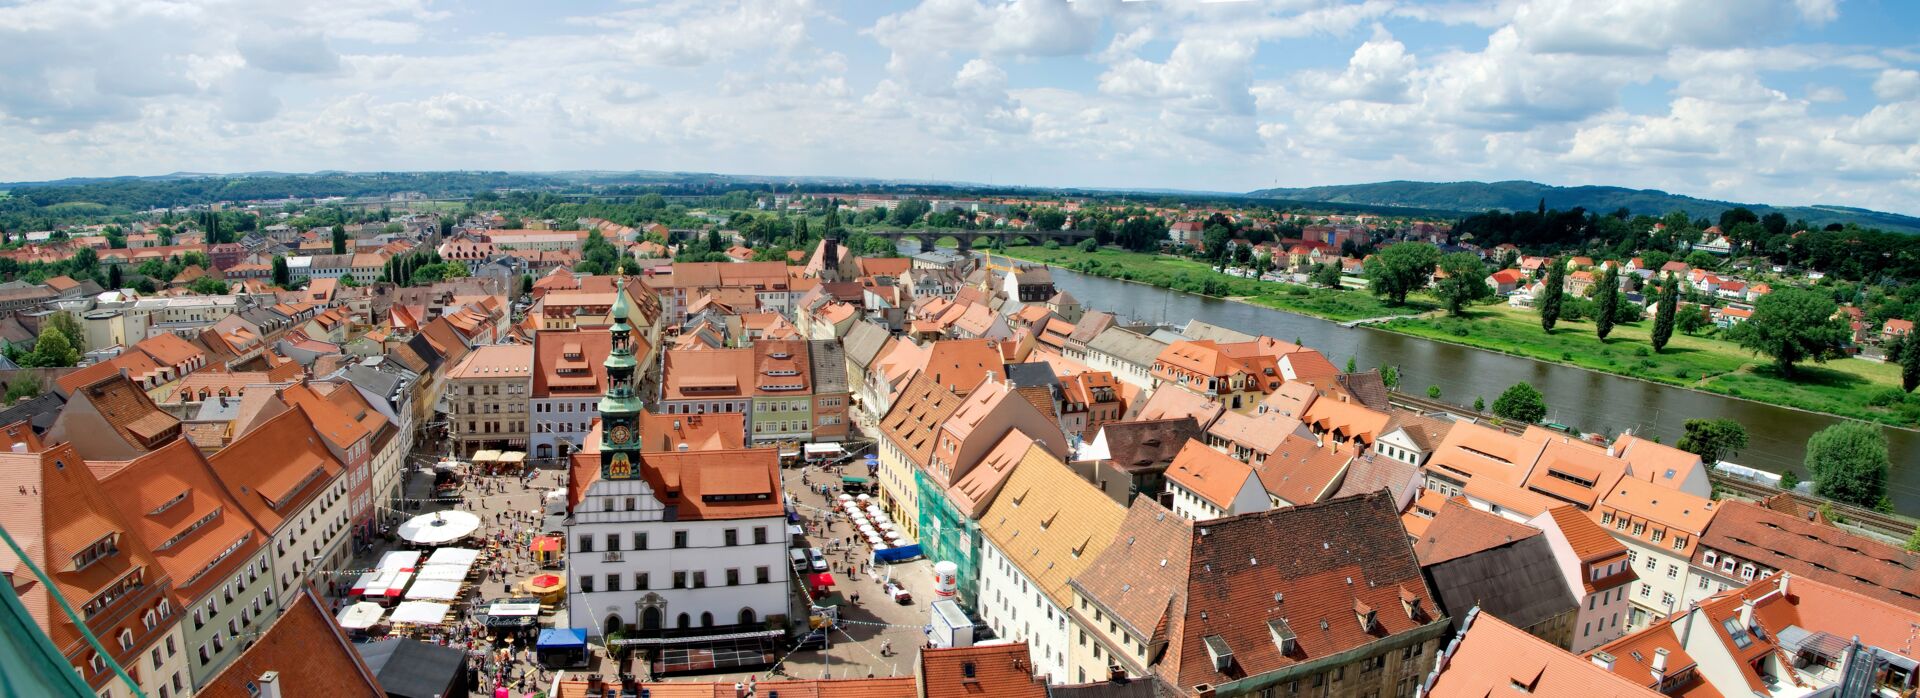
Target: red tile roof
x=163 y=494
x=1299 y=471
x=1493 y=658
x=993 y=671
x=570 y=363
x=1322 y=561
x=700 y=485
x=308 y=652
x=264 y=469
x=1815 y=551
x=1459 y=530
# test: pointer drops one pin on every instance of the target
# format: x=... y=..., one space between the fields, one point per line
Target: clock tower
x=620 y=407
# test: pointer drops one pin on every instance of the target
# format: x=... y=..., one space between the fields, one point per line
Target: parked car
x=800 y=561
x=899 y=593
x=817 y=560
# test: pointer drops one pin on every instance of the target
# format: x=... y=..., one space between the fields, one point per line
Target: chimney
x=1783 y=584
x=269 y=684
x=1659 y=664
x=739 y=690
x=1603 y=660
x=1746 y=614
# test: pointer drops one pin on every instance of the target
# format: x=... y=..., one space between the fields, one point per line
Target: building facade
x=486 y=397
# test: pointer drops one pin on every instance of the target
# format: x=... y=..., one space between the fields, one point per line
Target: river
x=1576 y=397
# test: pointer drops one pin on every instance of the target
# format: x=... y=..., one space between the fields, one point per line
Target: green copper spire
x=620 y=400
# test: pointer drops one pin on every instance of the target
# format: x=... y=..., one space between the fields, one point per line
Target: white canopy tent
x=361 y=616
x=421 y=612
x=435 y=589
x=403 y=560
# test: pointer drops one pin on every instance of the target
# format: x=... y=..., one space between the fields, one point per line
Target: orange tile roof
x=570 y=363
x=992 y=671
x=961 y=364
x=1299 y=471
x=1656 y=462
x=163 y=494
x=708 y=373
x=1478 y=452
x=1347 y=420
x=264 y=469
x=1587 y=539
x=700 y=432
x=1519 y=500
x=1669 y=513
x=977 y=488
x=1493 y=658
x=1214 y=476
x=55 y=510
x=341 y=429
x=169 y=349
x=1575 y=472
x=1818 y=551
x=1459 y=530
x=495 y=362
x=705 y=485
x=84 y=376
x=307 y=650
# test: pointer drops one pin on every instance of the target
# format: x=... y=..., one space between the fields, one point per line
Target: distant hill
x=1518 y=195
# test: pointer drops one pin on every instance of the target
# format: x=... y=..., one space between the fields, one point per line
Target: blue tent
x=562 y=637
x=562 y=647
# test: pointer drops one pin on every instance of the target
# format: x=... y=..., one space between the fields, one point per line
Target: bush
x=1088 y=245
x=1642 y=351
x=1886 y=397
x=1051 y=245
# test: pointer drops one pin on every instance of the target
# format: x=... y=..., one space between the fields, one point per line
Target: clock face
x=620 y=434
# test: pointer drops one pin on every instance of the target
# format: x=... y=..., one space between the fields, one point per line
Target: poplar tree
x=1663 y=316
x=1550 y=296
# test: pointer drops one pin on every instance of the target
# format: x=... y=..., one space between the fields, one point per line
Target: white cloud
x=1760 y=100
x=1894 y=85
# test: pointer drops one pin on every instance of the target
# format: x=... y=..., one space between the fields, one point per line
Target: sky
x=1770 y=101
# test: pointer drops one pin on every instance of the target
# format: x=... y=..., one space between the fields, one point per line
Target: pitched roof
x=1147 y=445
x=1308 y=569
x=1173 y=402
x=985 y=671
x=1050 y=523
x=1670 y=513
x=1587 y=539
x=164 y=495
x=1493 y=658
x=1142 y=576
x=706 y=373
x=1459 y=530
x=308 y=652
x=1299 y=471
x=1817 y=551
x=1212 y=475
x=977 y=488
x=916 y=416
x=699 y=485
x=275 y=469
x=1371 y=472
x=1477 y=452
x=700 y=432
x=1349 y=420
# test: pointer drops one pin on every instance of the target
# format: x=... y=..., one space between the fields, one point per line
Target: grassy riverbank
x=1181 y=274
x=1845 y=387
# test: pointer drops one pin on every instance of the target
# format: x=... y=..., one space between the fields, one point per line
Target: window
x=642 y=581
x=613 y=582
x=640 y=540
x=1652 y=564
x=613 y=542
x=760 y=535
x=1709 y=557
x=586 y=542
x=733 y=577
x=1738 y=632
x=1746 y=571
x=1646 y=590
x=1673 y=571
x=730 y=537
x=679 y=539
x=762 y=574
x=679 y=580
x=1666 y=599
x=586 y=584
x=699 y=579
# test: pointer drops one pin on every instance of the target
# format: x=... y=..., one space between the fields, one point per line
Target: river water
x=1576 y=397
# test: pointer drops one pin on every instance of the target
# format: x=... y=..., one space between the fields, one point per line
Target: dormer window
x=106 y=546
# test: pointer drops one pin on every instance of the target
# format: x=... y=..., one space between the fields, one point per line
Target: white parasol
x=439 y=527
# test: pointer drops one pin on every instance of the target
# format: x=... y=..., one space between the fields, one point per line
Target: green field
x=1845 y=387
x=1181 y=274
x=1709 y=364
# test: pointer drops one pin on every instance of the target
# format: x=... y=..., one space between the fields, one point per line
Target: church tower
x=620 y=408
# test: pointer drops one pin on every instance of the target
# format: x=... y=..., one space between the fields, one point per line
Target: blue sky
x=1773 y=101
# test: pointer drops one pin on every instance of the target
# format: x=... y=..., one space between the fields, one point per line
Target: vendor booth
x=413 y=669
x=562 y=648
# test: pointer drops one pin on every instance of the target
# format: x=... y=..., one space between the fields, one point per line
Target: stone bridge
x=969 y=239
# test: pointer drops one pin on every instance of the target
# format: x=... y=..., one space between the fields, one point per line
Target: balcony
x=612 y=556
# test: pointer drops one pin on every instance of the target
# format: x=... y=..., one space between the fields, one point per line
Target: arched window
x=747 y=616
x=650 y=619
x=612 y=625
x=706 y=619
x=684 y=621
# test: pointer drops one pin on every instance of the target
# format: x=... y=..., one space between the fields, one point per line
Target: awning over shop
x=486 y=456
x=852 y=480
x=824 y=449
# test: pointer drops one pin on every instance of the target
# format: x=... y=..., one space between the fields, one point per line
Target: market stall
x=549 y=587
x=420 y=613
x=562 y=648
